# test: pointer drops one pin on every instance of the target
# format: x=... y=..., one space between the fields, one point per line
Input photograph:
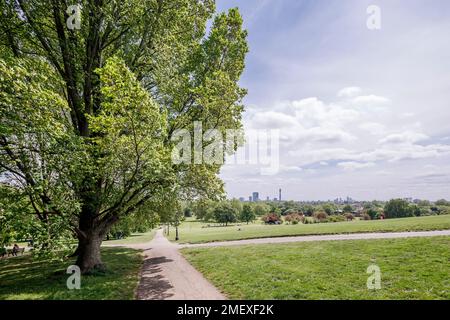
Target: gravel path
x=332 y=237
x=166 y=275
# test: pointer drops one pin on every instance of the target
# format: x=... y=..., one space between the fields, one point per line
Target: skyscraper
x=255 y=196
x=279 y=195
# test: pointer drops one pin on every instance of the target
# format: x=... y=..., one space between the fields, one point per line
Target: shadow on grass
x=25 y=278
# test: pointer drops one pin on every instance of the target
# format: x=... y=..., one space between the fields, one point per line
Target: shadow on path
x=153 y=285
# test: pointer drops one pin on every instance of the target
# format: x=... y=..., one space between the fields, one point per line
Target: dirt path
x=166 y=275
x=353 y=236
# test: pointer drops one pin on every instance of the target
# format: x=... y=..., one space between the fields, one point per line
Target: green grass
x=134 y=238
x=22 y=278
x=192 y=231
x=413 y=268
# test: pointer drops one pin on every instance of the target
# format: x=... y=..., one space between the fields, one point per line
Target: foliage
x=272 y=218
x=373 y=213
x=336 y=218
x=442 y=202
x=88 y=116
x=294 y=218
x=225 y=213
x=398 y=208
x=308 y=210
x=365 y=216
x=248 y=214
x=349 y=217
x=187 y=212
x=321 y=216
x=261 y=209
x=348 y=208
x=329 y=209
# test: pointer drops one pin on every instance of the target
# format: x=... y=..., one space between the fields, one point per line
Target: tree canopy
x=88 y=115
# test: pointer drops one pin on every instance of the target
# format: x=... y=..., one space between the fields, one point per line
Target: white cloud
x=352 y=165
x=273 y=120
x=370 y=100
x=373 y=128
x=407 y=137
x=349 y=92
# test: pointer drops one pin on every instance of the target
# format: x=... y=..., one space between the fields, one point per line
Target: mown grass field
x=134 y=238
x=196 y=232
x=413 y=268
x=22 y=278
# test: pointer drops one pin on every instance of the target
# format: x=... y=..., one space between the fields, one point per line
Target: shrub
x=349 y=217
x=398 y=208
x=293 y=218
x=321 y=216
x=348 y=208
x=337 y=218
x=373 y=213
x=272 y=218
x=365 y=216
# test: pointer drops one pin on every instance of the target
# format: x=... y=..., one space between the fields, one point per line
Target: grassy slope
x=414 y=268
x=192 y=231
x=23 y=278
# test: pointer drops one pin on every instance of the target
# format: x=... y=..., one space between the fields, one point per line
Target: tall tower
x=279 y=195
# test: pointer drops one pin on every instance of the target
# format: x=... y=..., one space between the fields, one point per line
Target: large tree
x=88 y=115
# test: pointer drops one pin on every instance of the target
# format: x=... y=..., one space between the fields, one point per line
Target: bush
x=365 y=216
x=321 y=216
x=272 y=218
x=293 y=218
x=398 y=208
x=337 y=218
x=349 y=217
x=373 y=213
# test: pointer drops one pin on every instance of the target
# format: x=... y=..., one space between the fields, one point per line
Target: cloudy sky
x=361 y=113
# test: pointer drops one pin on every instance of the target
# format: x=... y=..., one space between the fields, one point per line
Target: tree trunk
x=89 y=257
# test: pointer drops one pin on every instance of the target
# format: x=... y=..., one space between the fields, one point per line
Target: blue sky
x=362 y=113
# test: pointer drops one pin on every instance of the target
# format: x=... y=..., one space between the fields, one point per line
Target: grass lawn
x=413 y=268
x=135 y=238
x=193 y=231
x=22 y=278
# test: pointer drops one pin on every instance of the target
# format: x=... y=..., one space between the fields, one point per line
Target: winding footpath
x=167 y=275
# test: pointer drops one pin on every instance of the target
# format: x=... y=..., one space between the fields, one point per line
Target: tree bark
x=89 y=256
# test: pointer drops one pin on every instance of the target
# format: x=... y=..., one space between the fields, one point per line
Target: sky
x=361 y=113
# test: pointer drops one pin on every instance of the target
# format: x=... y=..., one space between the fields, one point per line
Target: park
x=254 y=261
x=116 y=182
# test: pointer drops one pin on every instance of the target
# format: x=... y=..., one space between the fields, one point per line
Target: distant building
x=255 y=196
x=241 y=199
x=268 y=198
x=250 y=198
x=279 y=194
